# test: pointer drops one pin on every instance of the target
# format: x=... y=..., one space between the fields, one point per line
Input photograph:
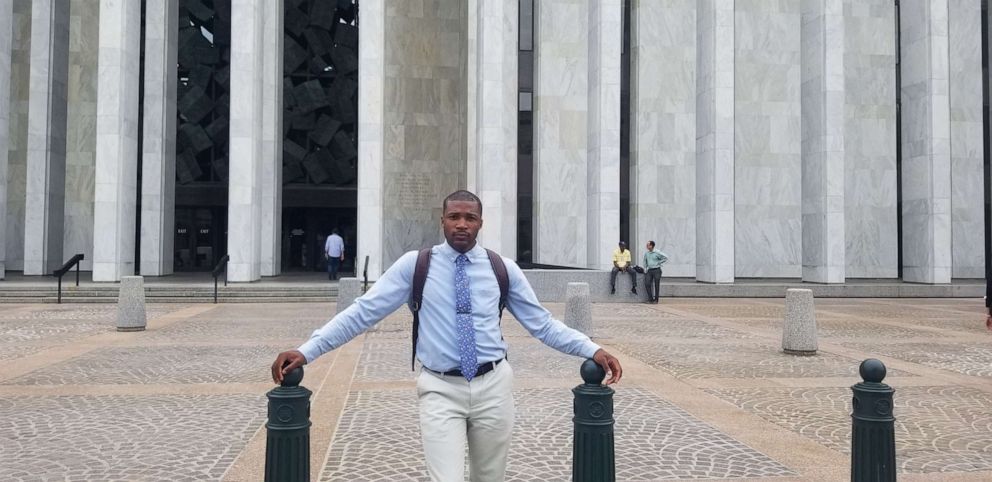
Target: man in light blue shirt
x=334 y=252
x=458 y=403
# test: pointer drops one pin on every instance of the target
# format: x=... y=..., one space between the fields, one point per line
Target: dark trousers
x=652 y=279
x=332 y=268
x=633 y=278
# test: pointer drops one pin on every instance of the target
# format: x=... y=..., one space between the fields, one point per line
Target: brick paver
x=709 y=394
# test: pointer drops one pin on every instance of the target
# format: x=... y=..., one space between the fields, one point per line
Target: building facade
x=824 y=140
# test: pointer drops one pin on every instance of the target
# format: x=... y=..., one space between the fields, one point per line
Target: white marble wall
x=823 y=120
x=663 y=130
x=561 y=109
x=926 y=153
x=272 y=134
x=371 y=140
x=6 y=29
x=158 y=166
x=115 y=207
x=80 y=155
x=244 y=240
x=967 y=149
x=46 y=140
x=870 y=210
x=603 y=149
x=492 y=115
x=424 y=120
x=20 y=61
x=715 y=158
x=768 y=137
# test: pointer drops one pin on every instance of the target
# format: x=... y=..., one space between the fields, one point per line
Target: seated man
x=621 y=263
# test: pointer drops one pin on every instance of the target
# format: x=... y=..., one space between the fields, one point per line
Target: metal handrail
x=221 y=266
x=73 y=261
x=365 y=274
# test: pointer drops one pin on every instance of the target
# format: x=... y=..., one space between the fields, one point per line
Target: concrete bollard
x=578 y=310
x=593 y=452
x=799 y=329
x=348 y=290
x=131 y=304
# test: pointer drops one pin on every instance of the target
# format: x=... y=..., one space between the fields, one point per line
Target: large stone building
x=817 y=139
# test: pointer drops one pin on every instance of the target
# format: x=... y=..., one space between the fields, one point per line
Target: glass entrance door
x=201 y=238
x=306 y=229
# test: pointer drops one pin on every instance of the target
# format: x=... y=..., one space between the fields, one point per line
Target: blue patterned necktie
x=463 y=316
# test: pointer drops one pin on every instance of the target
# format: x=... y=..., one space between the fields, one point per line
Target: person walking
x=621 y=264
x=465 y=382
x=334 y=252
x=652 y=278
x=988 y=301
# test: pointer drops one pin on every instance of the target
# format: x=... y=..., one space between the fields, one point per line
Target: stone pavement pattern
x=707 y=394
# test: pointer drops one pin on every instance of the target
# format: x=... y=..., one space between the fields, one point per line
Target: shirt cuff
x=310 y=351
x=589 y=349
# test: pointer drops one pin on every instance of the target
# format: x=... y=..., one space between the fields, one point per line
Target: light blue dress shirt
x=437 y=345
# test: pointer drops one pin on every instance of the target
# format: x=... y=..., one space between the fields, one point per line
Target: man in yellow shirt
x=621 y=263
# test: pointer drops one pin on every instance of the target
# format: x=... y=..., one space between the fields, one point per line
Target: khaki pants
x=454 y=412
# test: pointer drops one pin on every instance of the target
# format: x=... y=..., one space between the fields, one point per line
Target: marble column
x=967 y=143
x=493 y=109
x=371 y=140
x=561 y=111
x=767 y=140
x=244 y=227
x=926 y=156
x=715 y=141
x=47 y=116
x=6 y=32
x=663 y=131
x=603 y=149
x=870 y=204
x=158 y=159
x=272 y=140
x=823 y=95
x=114 y=210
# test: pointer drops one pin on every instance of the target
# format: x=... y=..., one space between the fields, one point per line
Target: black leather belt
x=482 y=370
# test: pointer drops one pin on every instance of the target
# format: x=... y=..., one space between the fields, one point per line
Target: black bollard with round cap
x=873 y=441
x=592 y=449
x=287 y=447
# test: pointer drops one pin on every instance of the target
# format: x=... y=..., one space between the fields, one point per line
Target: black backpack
x=420 y=277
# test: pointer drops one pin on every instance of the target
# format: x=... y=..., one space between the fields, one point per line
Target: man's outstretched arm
x=386 y=295
x=537 y=320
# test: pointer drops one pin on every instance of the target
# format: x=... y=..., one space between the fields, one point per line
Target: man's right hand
x=286 y=362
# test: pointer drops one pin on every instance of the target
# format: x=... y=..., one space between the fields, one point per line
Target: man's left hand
x=610 y=364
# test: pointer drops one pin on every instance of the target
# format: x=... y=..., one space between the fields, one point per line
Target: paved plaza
x=707 y=393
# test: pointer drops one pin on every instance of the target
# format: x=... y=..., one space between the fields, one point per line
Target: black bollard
x=287 y=447
x=873 y=441
x=592 y=447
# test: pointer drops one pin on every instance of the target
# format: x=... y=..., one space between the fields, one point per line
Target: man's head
x=336 y=231
x=461 y=219
x=622 y=245
x=650 y=245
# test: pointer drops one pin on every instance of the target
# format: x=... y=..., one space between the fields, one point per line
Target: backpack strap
x=417 y=297
x=502 y=278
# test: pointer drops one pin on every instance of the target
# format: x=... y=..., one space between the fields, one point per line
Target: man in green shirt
x=652 y=263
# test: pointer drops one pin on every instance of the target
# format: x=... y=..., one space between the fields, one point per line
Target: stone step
x=104 y=299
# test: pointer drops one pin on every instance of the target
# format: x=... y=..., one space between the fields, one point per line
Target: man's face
x=622 y=247
x=461 y=222
x=649 y=246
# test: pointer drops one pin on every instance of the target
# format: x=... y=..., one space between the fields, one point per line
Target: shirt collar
x=447 y=251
